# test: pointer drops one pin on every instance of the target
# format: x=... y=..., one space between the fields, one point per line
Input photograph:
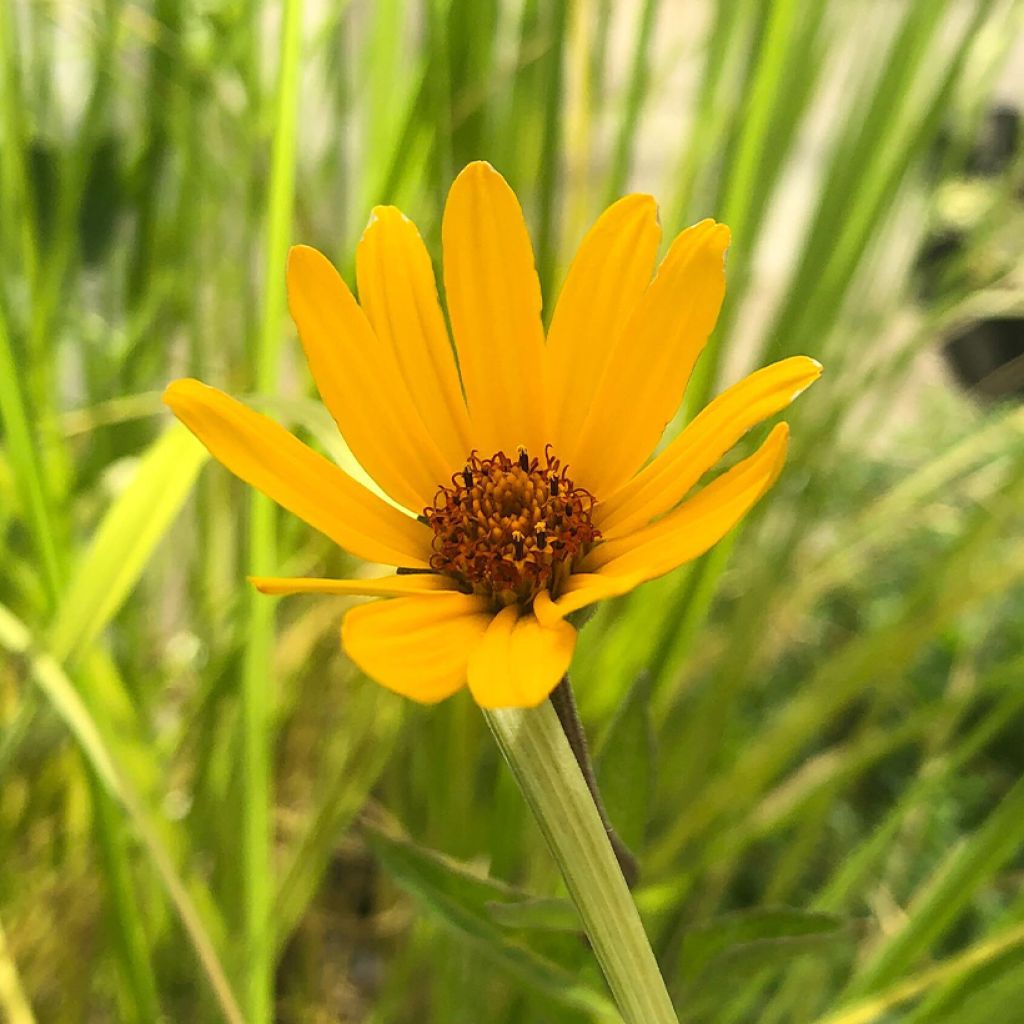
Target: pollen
x=508 y=528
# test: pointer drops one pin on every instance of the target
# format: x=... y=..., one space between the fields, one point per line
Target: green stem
x=538 y=752
x=564 y=703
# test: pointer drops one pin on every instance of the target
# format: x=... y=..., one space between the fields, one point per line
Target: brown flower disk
x=510 y=528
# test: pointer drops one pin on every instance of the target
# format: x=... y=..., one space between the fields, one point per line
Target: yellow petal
x=416 y=646
x=519 y=662
x=647 y=371
x=698 y=523
x=662 y=484
x=265 y=455
x=581 y=590
x=399 y=295
x=606 y=280
x=387 y=586
x=361 y=385
x=494 y=305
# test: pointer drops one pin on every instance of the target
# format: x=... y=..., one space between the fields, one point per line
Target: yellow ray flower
x=526 y=470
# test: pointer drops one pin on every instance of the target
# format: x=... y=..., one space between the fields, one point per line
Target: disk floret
x=509 y=528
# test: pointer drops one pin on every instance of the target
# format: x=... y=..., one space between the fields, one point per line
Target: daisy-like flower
x=521 y=474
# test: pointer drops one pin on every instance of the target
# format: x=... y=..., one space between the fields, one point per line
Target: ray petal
x=519 y=661
x=361 y=385
x=647 y=371
x=494 y=303
x=417 y=646
x=265 y=455
x=399 y=295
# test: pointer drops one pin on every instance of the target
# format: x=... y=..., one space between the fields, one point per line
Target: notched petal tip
x=383 y=214
x=480 y=168
x=812 y=371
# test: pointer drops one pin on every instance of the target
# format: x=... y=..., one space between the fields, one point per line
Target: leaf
x=122 y=545
x=626 y=766
x=464 y=901
x=762 y=937
x=528 y=914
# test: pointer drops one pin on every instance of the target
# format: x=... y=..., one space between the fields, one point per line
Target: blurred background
x=813 y=738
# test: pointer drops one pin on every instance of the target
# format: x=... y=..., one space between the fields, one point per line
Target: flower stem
x=564 y=703
x=537 y=750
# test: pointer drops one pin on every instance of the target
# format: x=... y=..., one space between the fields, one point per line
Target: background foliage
x=811 y=737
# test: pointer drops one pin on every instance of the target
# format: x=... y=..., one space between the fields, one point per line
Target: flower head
x=521 y=479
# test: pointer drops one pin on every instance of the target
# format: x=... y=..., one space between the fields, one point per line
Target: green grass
x=207 y=814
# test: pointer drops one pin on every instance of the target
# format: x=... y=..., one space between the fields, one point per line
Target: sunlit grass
x=204 y=809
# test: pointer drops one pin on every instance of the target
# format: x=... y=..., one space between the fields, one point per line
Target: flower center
x=509 y=528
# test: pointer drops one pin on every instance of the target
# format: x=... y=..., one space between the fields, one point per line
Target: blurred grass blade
x=355 y=774
x=64 y=699
x=974 y=958
x=13 y=1000
x=632 y=108
x=944 y=897
x=121 y=547
x=23 y=452
x=257 y=677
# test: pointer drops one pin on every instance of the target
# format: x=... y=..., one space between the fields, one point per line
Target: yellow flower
x=526 y=471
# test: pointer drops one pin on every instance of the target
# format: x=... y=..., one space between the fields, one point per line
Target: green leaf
x=626 y=766
x=760 y=937
x=528 y=914
x=464 y=900
x=122 y=545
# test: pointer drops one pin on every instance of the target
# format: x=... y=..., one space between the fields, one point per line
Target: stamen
x=518 y=544
x=484 y=522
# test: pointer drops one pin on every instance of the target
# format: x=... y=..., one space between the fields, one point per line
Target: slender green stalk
x=972 y=959
x=13 y=1000
x=29 y=475
x=257 y=740
x=536 y=749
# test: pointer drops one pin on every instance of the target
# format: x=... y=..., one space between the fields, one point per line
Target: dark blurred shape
x=100 y=205
x=42 y=158
x=938 y=255
x=102 y=201
x=997 y=142
x=987 y=357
